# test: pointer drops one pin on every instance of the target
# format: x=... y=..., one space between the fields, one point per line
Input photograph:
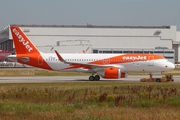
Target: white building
x=161 y=40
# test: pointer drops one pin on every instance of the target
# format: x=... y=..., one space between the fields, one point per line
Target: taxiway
x=44 y=79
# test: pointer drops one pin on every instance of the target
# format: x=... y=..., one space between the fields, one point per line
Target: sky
x=94 y=12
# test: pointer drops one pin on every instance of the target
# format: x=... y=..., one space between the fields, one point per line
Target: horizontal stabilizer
x=15 y=58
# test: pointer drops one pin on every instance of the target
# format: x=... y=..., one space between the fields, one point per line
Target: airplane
x=109 y=66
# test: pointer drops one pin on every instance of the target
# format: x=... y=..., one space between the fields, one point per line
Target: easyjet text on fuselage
x=134 y=58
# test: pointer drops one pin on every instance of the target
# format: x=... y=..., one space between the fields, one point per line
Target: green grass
x=87 y=100
x=36 y=72
x=90 y=100
x=41 y=72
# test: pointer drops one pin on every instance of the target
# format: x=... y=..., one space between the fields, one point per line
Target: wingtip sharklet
x=59 y=57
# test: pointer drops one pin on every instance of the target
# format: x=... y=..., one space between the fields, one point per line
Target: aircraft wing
x=92 y=66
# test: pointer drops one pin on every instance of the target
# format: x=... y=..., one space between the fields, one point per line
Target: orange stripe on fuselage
x=125 y=58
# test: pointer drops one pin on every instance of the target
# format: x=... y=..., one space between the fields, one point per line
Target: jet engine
x=112 y=73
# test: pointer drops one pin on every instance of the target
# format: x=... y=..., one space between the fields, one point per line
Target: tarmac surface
x=45 y=79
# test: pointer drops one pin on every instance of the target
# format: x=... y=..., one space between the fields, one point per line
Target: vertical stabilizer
x=22 y=42
x=26 y=51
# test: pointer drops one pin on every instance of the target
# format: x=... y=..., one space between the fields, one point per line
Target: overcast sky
x=94 y=12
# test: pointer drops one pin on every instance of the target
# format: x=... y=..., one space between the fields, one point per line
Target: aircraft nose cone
x=173 y=66
x=170 y=66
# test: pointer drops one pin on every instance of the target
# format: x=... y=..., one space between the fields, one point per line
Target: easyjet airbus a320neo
x=110 y=66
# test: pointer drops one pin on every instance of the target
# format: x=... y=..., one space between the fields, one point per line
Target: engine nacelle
x=112 y=73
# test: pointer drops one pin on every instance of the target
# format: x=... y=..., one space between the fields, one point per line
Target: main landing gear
x=150 y=75
x=94 y=78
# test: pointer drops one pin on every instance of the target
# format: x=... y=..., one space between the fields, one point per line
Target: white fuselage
x=158 y=65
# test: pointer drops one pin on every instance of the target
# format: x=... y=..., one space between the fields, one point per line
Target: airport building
x=162 y=40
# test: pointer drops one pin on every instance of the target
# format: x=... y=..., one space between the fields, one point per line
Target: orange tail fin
x=26 y=51
x=22 y=43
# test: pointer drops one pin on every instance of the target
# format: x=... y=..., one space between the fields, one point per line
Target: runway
x=45 y=79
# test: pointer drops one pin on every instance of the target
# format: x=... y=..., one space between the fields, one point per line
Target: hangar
x=161 y=40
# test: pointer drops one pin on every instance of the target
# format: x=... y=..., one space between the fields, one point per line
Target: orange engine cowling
x=112 y=73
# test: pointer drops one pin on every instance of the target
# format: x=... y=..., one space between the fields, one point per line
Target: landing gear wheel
x=97 y=77
x=91 y=78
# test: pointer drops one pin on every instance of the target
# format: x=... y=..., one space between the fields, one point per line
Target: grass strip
x=90 y=100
